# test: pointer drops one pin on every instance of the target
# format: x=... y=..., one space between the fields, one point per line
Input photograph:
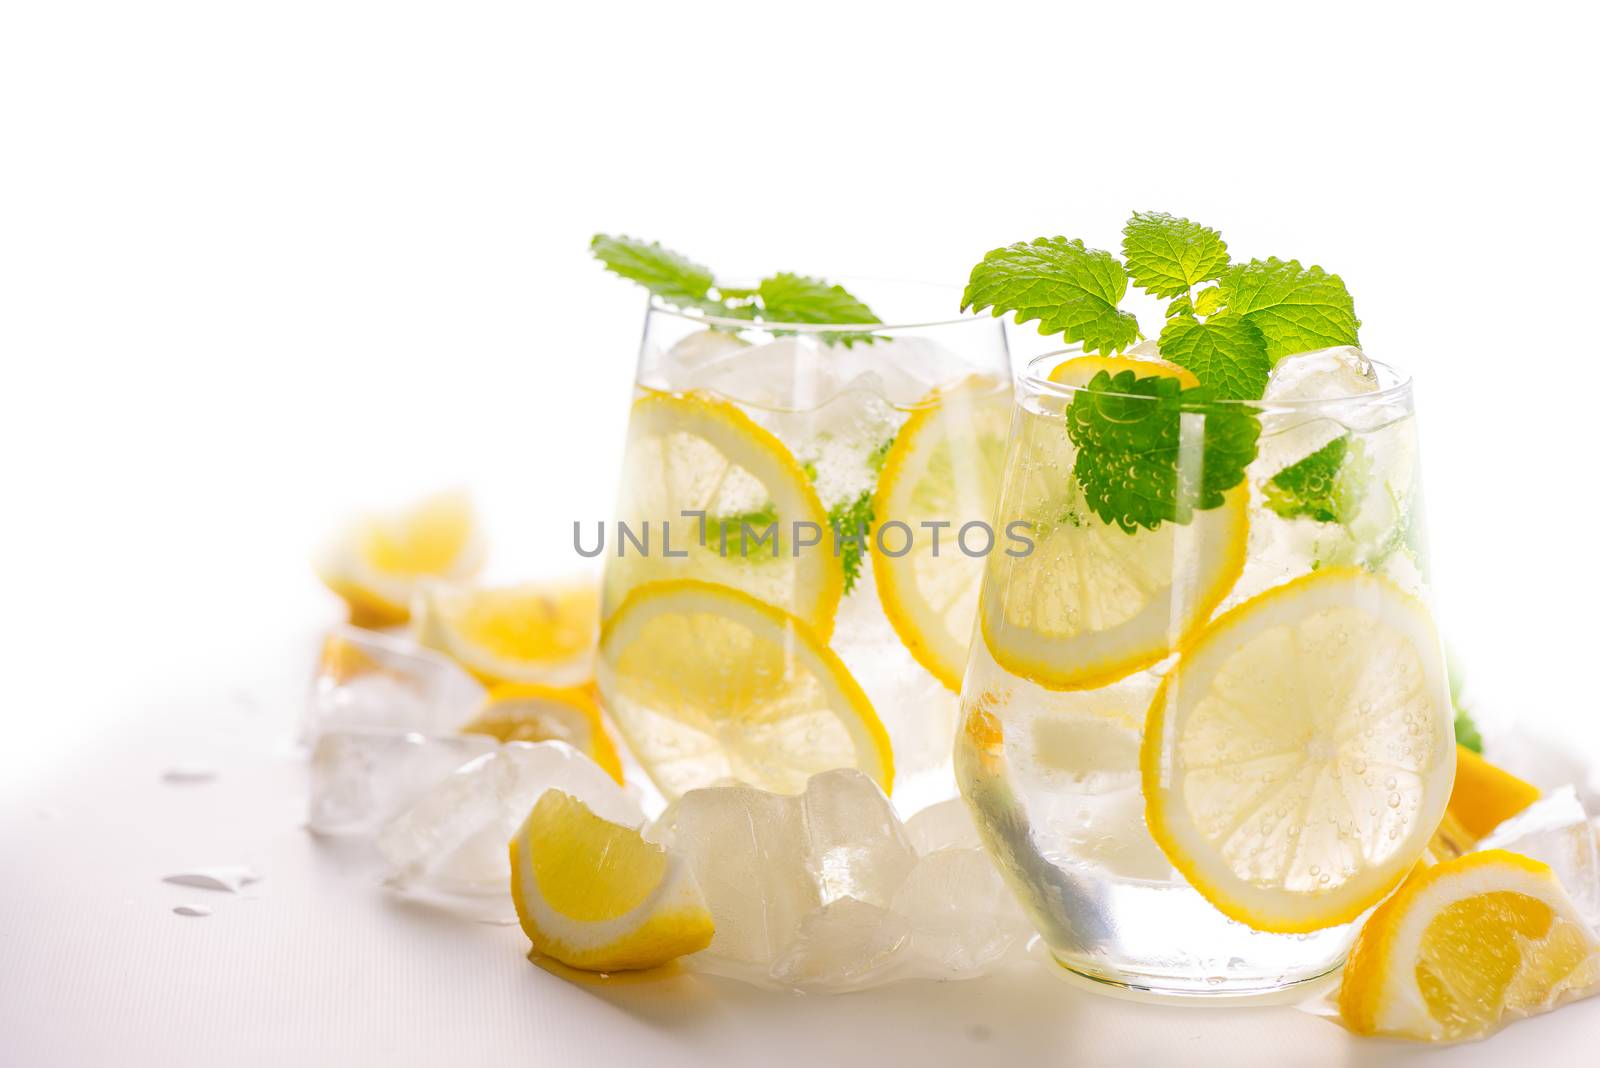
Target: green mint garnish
x=1130 y=435
x=1206 y=302
x=780 y=298
x=1467 y=731
x=798 y=298
x=1296 y=308
x=1229 y=335
x=674 y=278
x=1070 y=289
x=1226 y=353
x=850 y=520
x=877 y=456
x=1315 y=487
x=727 y=529
x=1168 y=256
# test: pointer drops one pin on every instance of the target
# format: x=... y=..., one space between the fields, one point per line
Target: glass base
x=1216 y=990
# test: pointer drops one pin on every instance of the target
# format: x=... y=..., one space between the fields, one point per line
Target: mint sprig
x=1168 y=256
x=1316 y=486
x=1071 y=289
x=1227 y=353
x=670 y=276
x=1296 y=308
x=1130 y=434
x=781 y=298
x=1228 y=334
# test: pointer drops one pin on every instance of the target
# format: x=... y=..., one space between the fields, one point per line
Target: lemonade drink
x=1200 y=751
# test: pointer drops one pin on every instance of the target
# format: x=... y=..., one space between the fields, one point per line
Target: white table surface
x=318 y=964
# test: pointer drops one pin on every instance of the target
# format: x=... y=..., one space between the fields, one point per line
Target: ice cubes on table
x=372 y=681
x=962 y=916
x=842 y=945
x=855 y=844
x=946 y=825
x=825 y=890
x=360 y=779
x=1555 y=829
x=747 y=849
x=453 y=839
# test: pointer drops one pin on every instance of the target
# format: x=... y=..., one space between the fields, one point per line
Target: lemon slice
x=1485 y=796
x=529 y=633
x=1466 y=946
x=529 y=712
x=1091 y=603
x=595 y=895
x=377 y=563
x=1078 y=371
x=693 y=453
x=707 y=683
x=1297 y=759
x=944 y=467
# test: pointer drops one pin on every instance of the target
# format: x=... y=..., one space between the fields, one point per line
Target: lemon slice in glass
x=1298 y=757
x=690 y=453
x=707 y=683
x=944 y=467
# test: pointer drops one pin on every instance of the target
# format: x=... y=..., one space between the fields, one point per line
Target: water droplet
x=1394 y=800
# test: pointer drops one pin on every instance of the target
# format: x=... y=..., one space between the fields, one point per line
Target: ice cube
x=1556 y=830
x=946 y=825
x=747 y=849
x=360 y=779
x=855 y=845
x=962 y=916
x=372 y=681
x=841 y=946
x=1294 y=431
x=453 y=840
x=787 y=372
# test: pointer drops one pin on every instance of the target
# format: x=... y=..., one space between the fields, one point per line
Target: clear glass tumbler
x=1206 y=720
x=787 y=586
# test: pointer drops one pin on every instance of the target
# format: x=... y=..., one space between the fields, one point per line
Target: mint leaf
x=1207 y=301
x=1070 y=289
x=1296 y=308
x=849 y=520
x=1180 y=306
x=1130 y=434
x=1226 y=353
x=797 y=298
x=1467 y=732
x=1315 y=486
x=1167 y=255
x=725 y=529
x=675 y=279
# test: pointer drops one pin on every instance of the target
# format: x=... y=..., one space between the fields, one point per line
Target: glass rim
x=656 y=304
x=1399 y=387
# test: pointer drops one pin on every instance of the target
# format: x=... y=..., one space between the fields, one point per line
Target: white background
x=260 y=263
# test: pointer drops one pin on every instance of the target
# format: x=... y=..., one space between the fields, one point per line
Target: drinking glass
x=1200 y=748
x=784 y=587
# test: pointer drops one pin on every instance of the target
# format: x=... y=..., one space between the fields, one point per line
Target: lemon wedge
x=1484 y=795
x=536 y=632
x=379 y=561
x=1466 y=946
x=944 y=467
x=690 y=453
x=707 y=683
x=595 y=895
x=529 y=712
x=1297 y=759
x=1091 y=603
